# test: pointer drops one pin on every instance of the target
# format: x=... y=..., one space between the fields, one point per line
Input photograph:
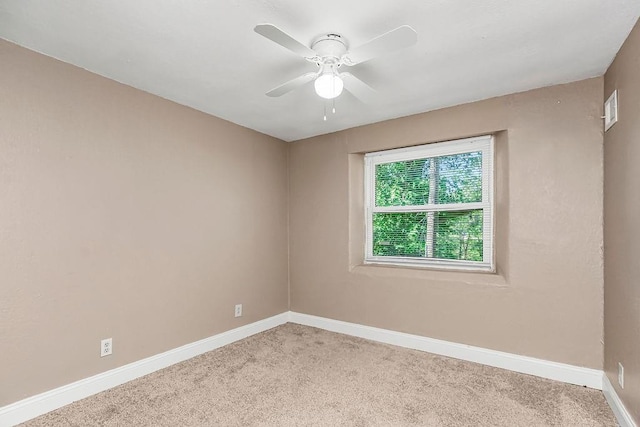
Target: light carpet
x=296 y=375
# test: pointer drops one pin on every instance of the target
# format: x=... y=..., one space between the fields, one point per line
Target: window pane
x=402 y=183
x=447 y=179
x=459 y=178
x=441 y=235
x=399 y=234
x=458 y=235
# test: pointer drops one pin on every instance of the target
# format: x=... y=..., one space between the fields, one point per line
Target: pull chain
x=333 y=108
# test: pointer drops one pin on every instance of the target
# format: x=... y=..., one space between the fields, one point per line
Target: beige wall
x=125 y=215
x=546 y=300
x=622 y=226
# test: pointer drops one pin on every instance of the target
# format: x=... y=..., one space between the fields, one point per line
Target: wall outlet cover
x=621 y=375
x=106 y=347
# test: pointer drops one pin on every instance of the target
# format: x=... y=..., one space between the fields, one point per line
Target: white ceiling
x=205 y=54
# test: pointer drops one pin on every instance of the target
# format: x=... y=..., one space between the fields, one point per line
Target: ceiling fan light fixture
x=329 y=52
x=328 y=85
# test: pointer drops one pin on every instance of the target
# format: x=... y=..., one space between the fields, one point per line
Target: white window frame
x=483 y=144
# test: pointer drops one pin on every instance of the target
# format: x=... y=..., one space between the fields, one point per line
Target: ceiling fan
x=330 y=52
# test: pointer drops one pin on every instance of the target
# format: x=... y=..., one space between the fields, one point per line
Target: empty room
x=284 y=213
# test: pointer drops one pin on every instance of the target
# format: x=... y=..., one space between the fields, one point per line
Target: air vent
x=611 y=111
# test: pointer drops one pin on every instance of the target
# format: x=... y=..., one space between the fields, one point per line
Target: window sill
x=442 y=265
x=430 y=272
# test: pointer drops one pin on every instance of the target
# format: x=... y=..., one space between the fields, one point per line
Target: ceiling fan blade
x=358 y=88
x=399 y=38
x=276 y=35
x=292 y=84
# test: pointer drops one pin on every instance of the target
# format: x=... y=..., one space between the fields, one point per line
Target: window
x=431 y=205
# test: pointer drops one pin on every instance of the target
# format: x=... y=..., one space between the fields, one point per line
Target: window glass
x=431 y=204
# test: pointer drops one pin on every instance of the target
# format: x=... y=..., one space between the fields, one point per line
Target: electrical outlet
x=106 y=347
x=238 y=310
x=621 y=375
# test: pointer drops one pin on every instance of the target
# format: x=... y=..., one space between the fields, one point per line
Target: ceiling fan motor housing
x=330 y=48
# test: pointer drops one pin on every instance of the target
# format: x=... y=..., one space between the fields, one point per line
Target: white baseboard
x=619 y=410
x=35 y=406
x=591 y=378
